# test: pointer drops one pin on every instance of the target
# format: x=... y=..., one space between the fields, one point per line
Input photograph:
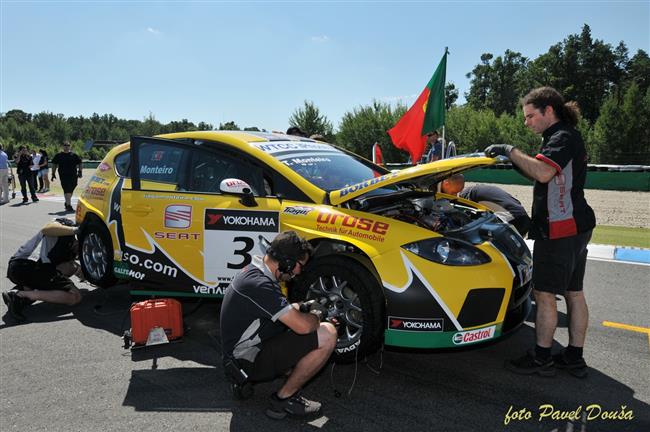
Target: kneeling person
x=48 y=278
x=269 y=337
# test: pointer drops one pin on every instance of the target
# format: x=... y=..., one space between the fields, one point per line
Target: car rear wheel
x=353 y=296
x=96 y=255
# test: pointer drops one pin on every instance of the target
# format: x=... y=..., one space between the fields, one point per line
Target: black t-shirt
x=496 y=195
x=559 y=206
x=23 y=166
x=250 y=311
x=67 y=164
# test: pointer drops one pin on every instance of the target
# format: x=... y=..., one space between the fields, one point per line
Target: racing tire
x=360 y=304
x=96 y=255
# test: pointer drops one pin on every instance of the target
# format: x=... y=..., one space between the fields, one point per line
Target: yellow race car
x=395 y=262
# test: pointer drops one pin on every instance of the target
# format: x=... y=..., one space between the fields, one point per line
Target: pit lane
x=65 y=370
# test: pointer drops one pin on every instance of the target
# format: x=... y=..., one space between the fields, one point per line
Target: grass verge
x=621 y=236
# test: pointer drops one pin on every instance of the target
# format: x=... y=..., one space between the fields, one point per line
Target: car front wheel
x=352 y=296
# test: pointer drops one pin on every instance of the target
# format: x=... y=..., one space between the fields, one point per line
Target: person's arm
x=534 y=168
x=301 y=323
x=79 y=168
x=56 y=229
x=54 y=167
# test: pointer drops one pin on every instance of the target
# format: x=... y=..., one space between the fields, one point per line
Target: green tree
x=365 y=125
x=622 y=132
x=498 y=85
x=451 y=95
x=231 y=125
x=310 y=120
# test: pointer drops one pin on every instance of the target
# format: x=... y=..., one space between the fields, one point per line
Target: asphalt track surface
x=65 y=369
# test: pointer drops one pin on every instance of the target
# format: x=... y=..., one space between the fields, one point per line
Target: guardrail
x=605 y=177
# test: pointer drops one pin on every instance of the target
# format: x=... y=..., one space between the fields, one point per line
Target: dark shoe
x=25 y=200
x=69 y=207
x=14 y=304
x=529 y=364
x=577 y=368
x=35 y=199
x=295 y=406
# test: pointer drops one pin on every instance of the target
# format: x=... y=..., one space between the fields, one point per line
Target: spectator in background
x=296 y=131
x=36 y=166
x=43 y=179
x=434 y=148
x=507 y=207
x=317 y=137
x=24 y=162
x=4 y=176
x=69 y=166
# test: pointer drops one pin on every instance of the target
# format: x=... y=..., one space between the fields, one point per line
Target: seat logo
x=178 y=216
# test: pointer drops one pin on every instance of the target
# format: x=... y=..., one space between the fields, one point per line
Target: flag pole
x=442 y=156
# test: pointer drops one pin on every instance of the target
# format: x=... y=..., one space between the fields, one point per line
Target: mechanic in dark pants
x=501 y=202
x=48 y=278
x=269 y=337
x=562 y=223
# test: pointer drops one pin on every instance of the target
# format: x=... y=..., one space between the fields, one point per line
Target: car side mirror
x=238 y=187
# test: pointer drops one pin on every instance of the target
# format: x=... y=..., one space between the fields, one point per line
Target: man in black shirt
x=562 y=223
x=24 y=162
x=507 y=207
x=268 y=337
x=69 y=166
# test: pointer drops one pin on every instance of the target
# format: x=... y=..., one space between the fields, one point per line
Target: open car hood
x=420 y=175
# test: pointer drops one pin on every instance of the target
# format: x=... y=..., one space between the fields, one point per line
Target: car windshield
x=322 y=164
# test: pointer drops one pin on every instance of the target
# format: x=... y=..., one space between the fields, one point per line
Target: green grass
x=621 y=236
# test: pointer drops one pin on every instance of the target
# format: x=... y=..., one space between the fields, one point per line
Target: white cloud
x=153 y=31
x=320 y=39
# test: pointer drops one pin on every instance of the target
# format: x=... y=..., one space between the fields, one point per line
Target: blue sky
x=256 y=62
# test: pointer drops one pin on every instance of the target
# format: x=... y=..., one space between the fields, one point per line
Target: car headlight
x=447 y=251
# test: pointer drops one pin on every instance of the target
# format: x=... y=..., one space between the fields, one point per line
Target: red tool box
x=157 y=314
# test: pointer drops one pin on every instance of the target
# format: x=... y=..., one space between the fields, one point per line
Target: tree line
x=611 y=88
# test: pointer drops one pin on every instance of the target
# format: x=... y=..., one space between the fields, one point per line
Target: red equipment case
x=165 y=313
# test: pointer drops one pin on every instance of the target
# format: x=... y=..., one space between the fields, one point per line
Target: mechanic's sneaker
x=68 y=207
x=529 y=365
x=14 y=305
x=295 y=406
x=577 y=368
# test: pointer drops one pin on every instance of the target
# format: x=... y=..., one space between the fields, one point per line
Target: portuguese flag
x=426 y=115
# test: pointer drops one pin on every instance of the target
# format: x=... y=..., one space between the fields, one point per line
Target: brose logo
x=470 y=336
x=241 y=220
x=413 y=324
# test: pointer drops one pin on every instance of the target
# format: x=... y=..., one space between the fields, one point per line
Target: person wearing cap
x=69 y=166
x=46 y=279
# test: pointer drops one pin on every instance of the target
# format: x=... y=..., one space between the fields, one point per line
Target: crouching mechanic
x=268 y=337
x=46 y=279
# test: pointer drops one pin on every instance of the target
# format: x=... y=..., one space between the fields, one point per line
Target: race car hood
x=420 y=175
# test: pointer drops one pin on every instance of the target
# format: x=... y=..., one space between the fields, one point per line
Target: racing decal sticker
x=366 y=184
x=298 y=210
x=241 y=220
x=353 y=226
x=232 y=237
x=416 y=324
x=279 y=147
x=104 y=167
x=477 y=335
x=418 y=299
x=178 y=216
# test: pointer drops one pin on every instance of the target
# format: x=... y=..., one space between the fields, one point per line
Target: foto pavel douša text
x=549 y=412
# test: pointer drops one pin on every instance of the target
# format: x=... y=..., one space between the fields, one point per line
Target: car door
x=182 y=234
